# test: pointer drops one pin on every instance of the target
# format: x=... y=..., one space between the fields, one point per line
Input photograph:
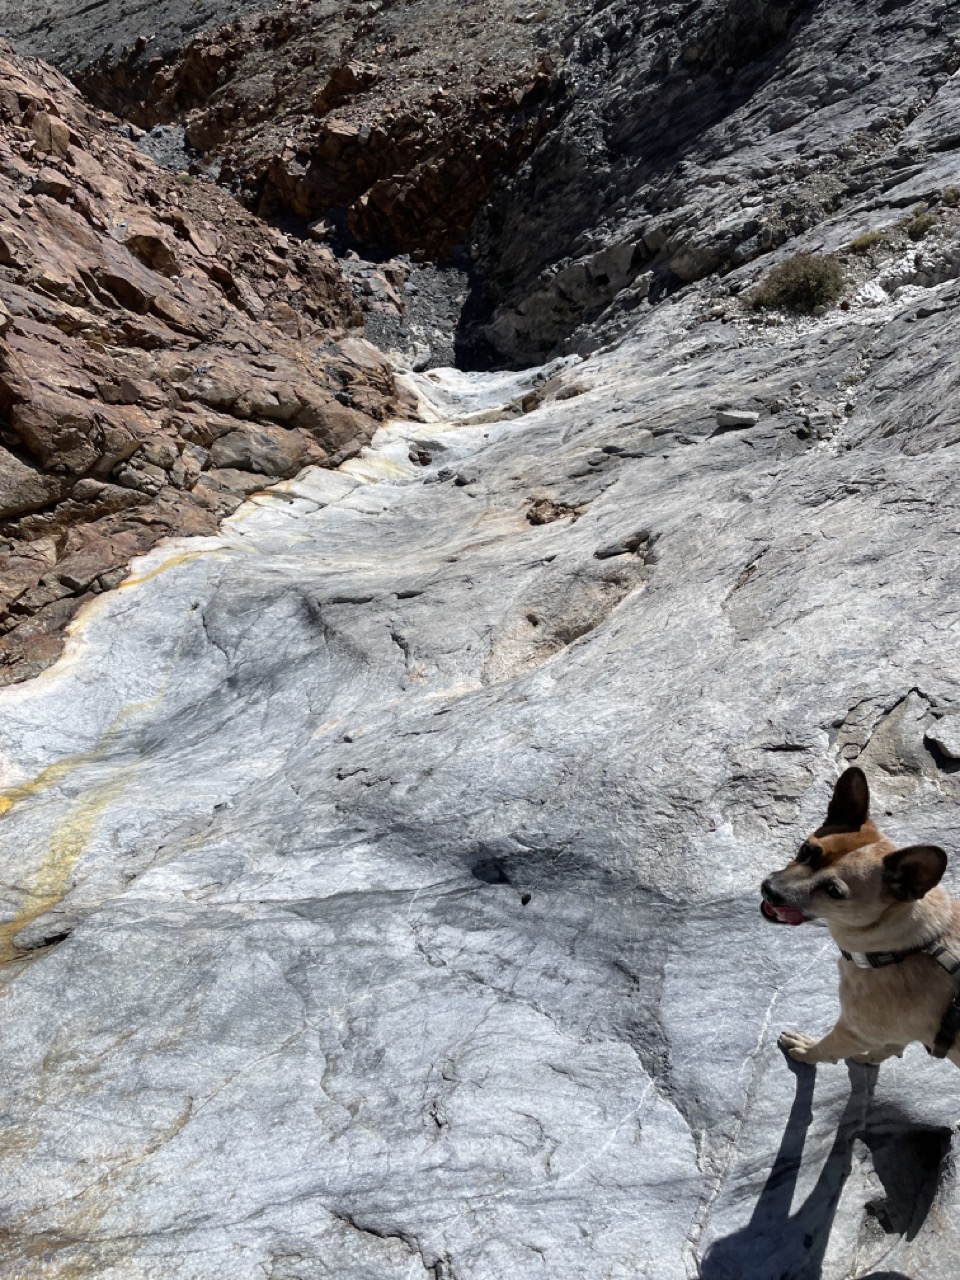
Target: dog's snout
x=771 y=894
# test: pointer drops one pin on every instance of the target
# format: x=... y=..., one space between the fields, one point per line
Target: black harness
x=946 y=959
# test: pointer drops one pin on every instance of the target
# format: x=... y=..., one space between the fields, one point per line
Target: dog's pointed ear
x=850 y=806
x=911 y=873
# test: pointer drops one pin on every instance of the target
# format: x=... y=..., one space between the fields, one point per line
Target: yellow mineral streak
x=54 y=773
x=45 y=779
x=183 y=557
x=68 y=840
x=72 y=832
x=376 y=466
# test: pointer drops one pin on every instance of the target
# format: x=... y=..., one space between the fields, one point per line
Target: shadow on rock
x=779 y=1245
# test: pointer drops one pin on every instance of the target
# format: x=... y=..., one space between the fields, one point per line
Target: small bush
x=918 y=226
x=867 y=241
x=951 y=196
x=800 y=283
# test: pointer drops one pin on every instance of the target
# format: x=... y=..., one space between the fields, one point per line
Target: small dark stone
x=626 y=546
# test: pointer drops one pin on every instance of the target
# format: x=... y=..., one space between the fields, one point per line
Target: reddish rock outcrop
x=399 y=118
x=162 y=354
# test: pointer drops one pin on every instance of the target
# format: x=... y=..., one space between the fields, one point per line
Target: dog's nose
x=771 y=894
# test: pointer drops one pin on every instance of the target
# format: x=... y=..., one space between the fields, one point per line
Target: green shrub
x=917 y=226
x=800 y=283
x=867 y=241
x=951 y=196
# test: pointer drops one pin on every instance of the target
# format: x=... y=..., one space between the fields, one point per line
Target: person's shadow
x=779 y=1245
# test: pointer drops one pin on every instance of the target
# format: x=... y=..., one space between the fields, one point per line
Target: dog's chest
x=896 y=1004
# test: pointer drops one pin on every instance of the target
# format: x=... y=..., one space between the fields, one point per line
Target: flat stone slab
x=382 y=875
x=731 y=419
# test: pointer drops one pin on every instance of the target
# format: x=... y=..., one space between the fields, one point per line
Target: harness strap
x=950 y=1025
x=949 y=960
x=949 y=1028
x=878 y=959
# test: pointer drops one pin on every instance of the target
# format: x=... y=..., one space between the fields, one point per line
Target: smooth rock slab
x=389 y=864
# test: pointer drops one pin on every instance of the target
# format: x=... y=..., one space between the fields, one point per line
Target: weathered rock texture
x=700 y=138
x=162 y=354
x=590 y=158
x=76 y=34
x=396 y=126
x=380 y=874
x=392 y=121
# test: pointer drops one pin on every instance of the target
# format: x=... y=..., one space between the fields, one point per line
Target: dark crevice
x=910 y=1161
x=944 y=763
x=45 y=941
x=490 y=871
x=439 y=1269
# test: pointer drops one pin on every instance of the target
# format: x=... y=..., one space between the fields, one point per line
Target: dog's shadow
x=779 y=1245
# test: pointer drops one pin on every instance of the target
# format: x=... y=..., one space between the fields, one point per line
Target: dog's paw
x=798 y=1045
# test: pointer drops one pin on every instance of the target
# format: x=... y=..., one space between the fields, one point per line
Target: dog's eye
x=833 y=889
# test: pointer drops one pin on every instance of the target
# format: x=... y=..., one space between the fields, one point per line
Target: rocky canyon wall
x=164 y=353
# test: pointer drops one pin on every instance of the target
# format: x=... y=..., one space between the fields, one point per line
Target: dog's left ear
x=911 y=873
x=850 y=804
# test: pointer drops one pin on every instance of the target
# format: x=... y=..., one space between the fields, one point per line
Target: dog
x=898 y=932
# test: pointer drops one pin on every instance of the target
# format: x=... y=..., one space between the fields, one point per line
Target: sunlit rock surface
x=381 y=873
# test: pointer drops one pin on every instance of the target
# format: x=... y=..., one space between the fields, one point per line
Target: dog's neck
x=904 y=926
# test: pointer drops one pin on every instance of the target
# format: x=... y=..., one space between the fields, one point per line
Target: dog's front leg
x=841 y=1042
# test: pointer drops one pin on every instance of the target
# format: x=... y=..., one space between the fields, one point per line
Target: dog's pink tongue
x=785 y=915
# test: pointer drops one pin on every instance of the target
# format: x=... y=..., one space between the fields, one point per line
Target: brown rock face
x=400 y=118
x=161 y=355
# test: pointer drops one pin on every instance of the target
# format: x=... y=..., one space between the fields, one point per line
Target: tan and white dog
x=897 y=930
